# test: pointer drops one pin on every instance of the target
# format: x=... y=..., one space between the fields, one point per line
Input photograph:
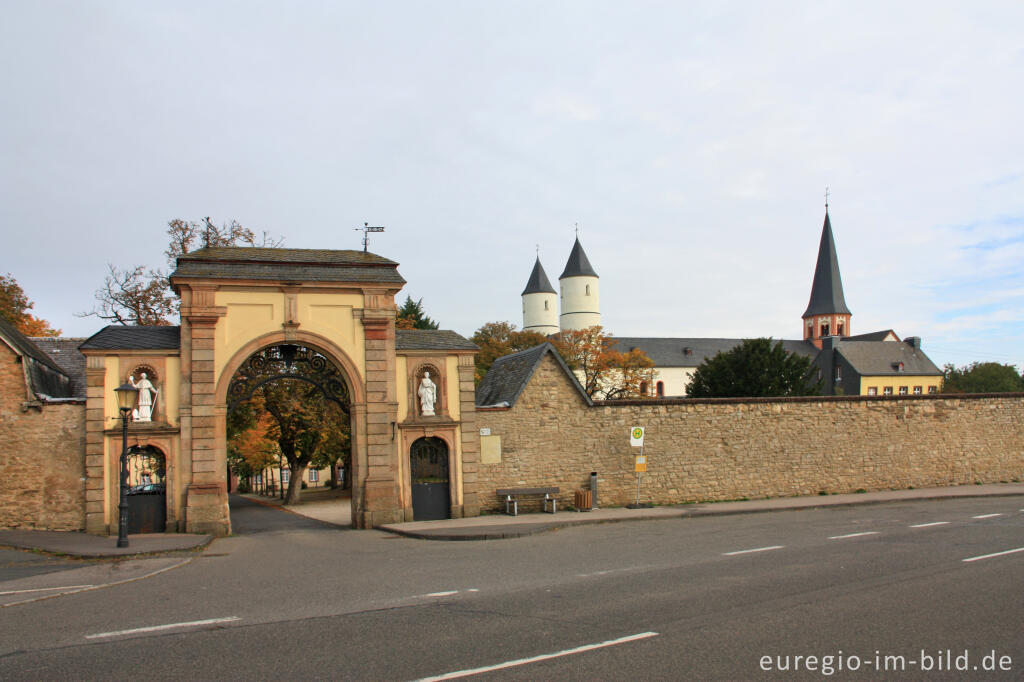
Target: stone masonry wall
x=42 y=457
x=734 y=449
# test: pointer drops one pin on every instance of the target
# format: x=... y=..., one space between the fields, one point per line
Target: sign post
x=636 y=440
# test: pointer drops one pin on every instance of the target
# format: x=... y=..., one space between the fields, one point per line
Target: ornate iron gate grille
x=288 y=361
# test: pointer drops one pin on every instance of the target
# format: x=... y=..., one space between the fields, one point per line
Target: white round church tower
x=540 y=303
x=581 y=306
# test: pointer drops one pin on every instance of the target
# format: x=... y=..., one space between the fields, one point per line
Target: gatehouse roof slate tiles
x=509 y=375
x=131 y=337
x=298 y=265
x=431 y=339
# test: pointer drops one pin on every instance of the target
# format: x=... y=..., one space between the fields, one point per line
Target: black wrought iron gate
x=431 y=498
x=147 y=490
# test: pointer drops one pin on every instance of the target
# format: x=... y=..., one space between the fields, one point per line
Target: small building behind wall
x=42 y=433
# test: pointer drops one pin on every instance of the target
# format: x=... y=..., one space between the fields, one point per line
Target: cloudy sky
x=692 y=143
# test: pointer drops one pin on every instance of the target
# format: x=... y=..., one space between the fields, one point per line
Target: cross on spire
x=826 y=197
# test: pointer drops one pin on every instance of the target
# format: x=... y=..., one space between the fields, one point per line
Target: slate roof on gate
x=672 y=352
x=131 y=337
x=509 y=375
x=431 y=339
x=297 y=265
x=46 y=378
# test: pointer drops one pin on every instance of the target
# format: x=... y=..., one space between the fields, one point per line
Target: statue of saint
x=147 y=396
x=428 y=395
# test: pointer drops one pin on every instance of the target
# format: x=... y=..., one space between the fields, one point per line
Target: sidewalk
x=490 y=527
x=498 y=526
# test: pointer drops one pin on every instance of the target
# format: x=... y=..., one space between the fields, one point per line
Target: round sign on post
x=636 y=436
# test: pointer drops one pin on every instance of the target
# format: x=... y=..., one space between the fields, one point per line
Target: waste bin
x=581 y=500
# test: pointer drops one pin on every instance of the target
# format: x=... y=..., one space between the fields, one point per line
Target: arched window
x=588 y=290
x=545 y=305
x=660 y=388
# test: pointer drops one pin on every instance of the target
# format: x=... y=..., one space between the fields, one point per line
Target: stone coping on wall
x=794 y=399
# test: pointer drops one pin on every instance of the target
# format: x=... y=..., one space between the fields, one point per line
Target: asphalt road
x=902 y=591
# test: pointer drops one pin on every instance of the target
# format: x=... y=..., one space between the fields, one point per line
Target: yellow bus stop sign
x=641 y=463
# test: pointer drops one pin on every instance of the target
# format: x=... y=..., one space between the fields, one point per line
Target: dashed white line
x=750 y=551
x=853 y=535
x=445 y=593
x=933 y=523
x=989 y=556
x=48 y=589
x=985 y=516
x=543 y=657
x=169 y=626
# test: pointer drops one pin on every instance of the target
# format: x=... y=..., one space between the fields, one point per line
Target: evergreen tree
x=754 y=369
x=411 y=316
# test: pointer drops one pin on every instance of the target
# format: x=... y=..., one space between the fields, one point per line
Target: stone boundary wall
x=42 y=458
x=703 y=450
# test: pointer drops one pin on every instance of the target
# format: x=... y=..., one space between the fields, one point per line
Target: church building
x=877 y=363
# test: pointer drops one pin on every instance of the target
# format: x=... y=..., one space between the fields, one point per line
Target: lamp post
x=126 y=394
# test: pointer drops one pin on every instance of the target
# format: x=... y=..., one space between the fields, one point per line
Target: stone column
x=381 y=499
x=206 y=506
x=470 y=438
x=95 y=468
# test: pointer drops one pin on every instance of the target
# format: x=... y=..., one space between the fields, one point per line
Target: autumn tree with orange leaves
x=604 y=371
x=14 y=306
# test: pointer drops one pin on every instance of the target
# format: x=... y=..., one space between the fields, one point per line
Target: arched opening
x=147 y=489
x=428 y=472
x=288 y=424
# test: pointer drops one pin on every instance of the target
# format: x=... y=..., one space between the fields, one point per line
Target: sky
x=690 y=142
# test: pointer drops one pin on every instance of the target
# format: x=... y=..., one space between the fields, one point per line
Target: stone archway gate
x=237 y=301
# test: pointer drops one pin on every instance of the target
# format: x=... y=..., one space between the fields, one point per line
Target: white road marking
x=853 y=535
x=169 y=626
x=441 y=594
x=933 y=523
x=989 y=556
x=48 y=589
x=543 y=657
x=985 y=516
x=749 y=551
x=607 y=572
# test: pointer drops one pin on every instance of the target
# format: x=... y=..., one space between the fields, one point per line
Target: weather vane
x=208 y=228
x=577 y=230
x=366 y=229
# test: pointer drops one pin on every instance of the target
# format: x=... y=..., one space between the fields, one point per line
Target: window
x=917 y=390
x=588 y=290
x=824 y=329
x=933 y=389
x=545 y=305
x=887 y=390
x=872 y=390
x=839 y=328
x=286 y=475
x=660 y=388
x=314 y=475
x=643 y=388
x=839 y=373
x=903 y=390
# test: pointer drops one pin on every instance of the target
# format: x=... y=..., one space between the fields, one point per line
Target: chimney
x=828 y=342
x=913 y=341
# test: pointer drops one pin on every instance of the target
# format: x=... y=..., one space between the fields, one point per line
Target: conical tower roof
x=538 y=283
x=578 y=264
x=827 y=290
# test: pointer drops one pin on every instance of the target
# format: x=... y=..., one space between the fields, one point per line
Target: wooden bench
x=511 y=497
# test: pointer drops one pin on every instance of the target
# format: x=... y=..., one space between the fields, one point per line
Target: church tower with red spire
x=826 y=314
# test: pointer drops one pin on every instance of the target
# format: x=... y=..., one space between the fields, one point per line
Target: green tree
x=496 y=339
x=982 y=377
x=754 y=369
x=411 y=316
x=142 y=295
x=14 y=305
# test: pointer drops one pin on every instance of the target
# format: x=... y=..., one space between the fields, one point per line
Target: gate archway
x=301 y=359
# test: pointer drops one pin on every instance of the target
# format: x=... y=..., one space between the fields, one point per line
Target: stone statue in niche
x=147 y=398
x=428 y=395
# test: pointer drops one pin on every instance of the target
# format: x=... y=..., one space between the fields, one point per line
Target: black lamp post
x=126 y=394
